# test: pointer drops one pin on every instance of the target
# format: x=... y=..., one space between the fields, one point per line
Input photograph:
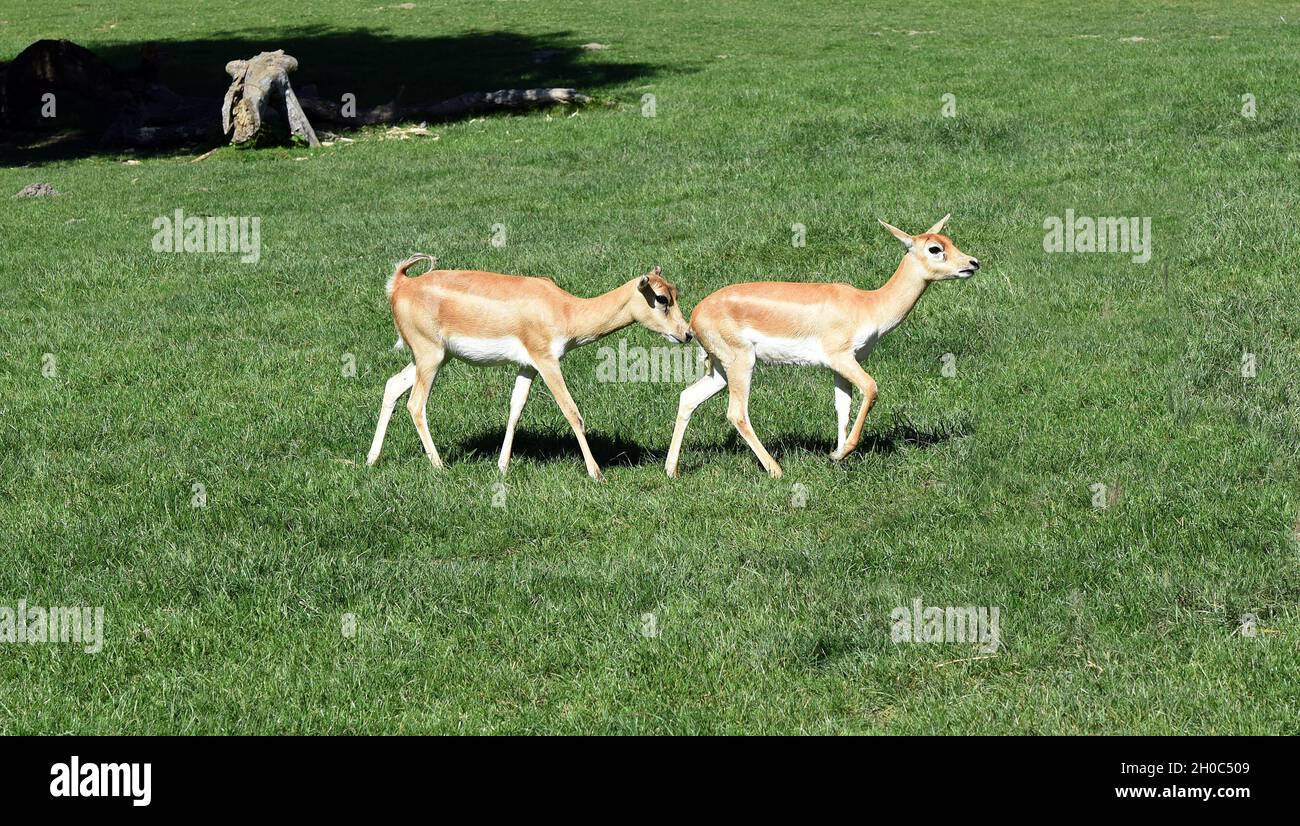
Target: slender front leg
x=692 y=397
x=550 y=370
x=523 y=384
x=393 y=390
x=739 y=373
x=849 y=369
x=843 y=401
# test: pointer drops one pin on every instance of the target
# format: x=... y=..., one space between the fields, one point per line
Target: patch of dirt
x=36 y=191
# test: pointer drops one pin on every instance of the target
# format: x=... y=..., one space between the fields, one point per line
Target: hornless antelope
x=828 y=325
x=489 y=318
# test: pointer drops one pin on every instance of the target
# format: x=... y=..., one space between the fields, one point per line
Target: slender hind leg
x=426 y=370
x=843 y=401
x=692 y=397
x=849 y=370
x=398 y=384
x=739 y=373
x=523 y=384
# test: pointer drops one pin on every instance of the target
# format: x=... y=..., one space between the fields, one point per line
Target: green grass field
x=1072 y=370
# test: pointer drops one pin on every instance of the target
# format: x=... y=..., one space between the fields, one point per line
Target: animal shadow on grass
x=375 y=65
x=901 y=432
x=553 y=446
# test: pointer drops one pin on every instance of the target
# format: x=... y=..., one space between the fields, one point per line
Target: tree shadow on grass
x=557 y=447
x=373 y=65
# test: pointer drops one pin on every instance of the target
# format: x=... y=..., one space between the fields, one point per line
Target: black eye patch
x=661 y=299
x=936 y=250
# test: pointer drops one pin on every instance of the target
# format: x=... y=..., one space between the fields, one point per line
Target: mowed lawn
x=724 y=601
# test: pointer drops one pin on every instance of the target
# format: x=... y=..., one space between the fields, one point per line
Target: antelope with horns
x=489 y=318
x=827 y=325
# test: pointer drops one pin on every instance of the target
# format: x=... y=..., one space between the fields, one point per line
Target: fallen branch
x=469 y=103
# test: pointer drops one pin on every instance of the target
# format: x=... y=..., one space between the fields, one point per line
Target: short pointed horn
x=898 y=233
x=939 y=226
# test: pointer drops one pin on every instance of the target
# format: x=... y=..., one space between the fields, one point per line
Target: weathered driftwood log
x=258 y=84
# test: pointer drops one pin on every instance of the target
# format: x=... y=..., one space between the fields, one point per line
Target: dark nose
x=689 y=335
x=974 y=263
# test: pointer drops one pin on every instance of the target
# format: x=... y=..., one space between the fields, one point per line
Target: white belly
x=777 y=350
x=507 y=350
x=808 y=351
x=864 y=342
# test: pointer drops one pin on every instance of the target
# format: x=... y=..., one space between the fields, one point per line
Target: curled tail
x=399 y=272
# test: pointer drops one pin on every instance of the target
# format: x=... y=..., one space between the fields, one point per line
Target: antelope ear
x=939 y=226
x=658 y=270
x=898 y=233
x=644 y=283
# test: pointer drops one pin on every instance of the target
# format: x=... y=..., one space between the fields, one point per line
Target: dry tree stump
x=257 y=85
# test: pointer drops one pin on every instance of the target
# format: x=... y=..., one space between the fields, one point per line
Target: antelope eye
x=661 y=299
x=935 y=250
